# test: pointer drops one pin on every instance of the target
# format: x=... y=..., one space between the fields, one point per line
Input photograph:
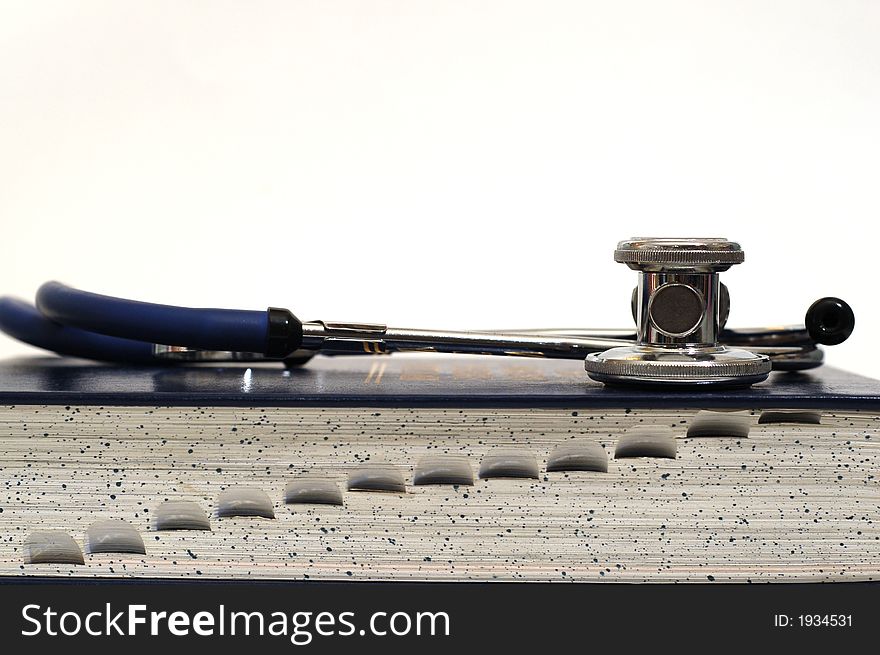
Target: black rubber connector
x=285 y=333
x=830 y=321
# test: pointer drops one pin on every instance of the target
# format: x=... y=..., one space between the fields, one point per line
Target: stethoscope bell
x=678 y=310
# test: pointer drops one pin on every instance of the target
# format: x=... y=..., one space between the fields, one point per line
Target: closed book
x=433 y=468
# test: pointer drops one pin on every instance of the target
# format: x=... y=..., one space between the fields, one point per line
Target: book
x=433 y=468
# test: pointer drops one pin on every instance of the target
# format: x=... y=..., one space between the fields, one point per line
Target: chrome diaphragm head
x=678 y=312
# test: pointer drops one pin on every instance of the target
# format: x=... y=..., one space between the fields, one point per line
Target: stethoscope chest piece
x=678 y=310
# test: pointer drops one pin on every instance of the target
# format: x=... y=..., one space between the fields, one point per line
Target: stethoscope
x=680 y=308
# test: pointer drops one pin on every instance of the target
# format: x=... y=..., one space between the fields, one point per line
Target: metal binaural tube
x=376 y=338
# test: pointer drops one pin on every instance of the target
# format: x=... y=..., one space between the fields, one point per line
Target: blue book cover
x=404 y=381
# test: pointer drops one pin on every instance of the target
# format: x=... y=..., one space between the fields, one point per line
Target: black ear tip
x=830 y=321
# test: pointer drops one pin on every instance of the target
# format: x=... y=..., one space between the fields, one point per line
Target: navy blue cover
x=401 y=381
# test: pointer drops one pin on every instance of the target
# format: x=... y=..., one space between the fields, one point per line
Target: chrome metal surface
x=807 y=356
x=183 y=354
x=378 y=339
x=719 y=366
x=678 y=318
x=651 y=290
x=663 y=254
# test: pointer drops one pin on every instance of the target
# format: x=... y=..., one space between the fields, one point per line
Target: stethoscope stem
x=377 y=339
x=338 y=338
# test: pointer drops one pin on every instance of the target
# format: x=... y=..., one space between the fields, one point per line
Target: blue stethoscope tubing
x=94 y=326
x=22 y=321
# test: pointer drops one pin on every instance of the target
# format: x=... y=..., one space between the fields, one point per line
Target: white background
x=440 y=164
